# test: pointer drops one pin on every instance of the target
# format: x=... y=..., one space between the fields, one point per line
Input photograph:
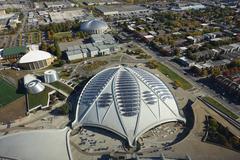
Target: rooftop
x=120 y=98
x=37 y=145
x=13 y=51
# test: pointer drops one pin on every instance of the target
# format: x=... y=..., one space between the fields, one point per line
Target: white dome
x=94 y=26
x=34 y=56
x=127 y=101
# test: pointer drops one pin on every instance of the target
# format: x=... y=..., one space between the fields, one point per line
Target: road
x=202 y=89
x=14 y=37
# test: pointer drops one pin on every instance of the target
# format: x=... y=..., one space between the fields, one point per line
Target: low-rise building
x=13 y=21
x=93 y=51
x=100 y=2
x=13 y=53
x=56 y=4
x=204 y=55
x=3 y=24
x=2 y=12
x=230 y=48
x=185 y=61
x=229 y=85
x=123 y=10
x=101 y=44
x=187 y=6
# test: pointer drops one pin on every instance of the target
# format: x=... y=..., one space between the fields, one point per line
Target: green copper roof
x=14 y=51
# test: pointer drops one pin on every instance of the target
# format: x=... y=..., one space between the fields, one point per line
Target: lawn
x=94 y=65
x=170 y=74
x=62 y=87
x=61 y=35
x=7 y=93
x=220 y=107
x=40 y=98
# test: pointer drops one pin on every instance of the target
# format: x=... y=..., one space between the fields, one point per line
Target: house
x=194 y=40
x=204 y=55
x=185 y=61
x=230 y=48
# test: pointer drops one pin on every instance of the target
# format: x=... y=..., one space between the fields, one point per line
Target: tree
x=44 y=46
x=204 y=72
x=58 y=52
x=215 y=71
x=64 y=109
x=152 y=64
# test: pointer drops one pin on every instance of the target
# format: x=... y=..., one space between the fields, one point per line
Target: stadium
x=94 y=26
x=126 y=101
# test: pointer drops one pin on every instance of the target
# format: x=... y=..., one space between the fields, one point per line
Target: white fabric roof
x=34 y=56
x=37 y=145
x=127 y=101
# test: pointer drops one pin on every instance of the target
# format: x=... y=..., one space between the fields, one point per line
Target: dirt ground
x=13 y=75
x=13 y=111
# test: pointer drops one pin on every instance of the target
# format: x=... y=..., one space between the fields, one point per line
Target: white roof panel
x=34 y=56
x=36 y=144
x=135 y=101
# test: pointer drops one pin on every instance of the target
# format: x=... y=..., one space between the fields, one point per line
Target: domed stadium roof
x=94 y=25
x=127 y=101
x=34 y=56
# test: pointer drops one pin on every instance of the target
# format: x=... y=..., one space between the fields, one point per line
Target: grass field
x=62 y=87
x=40 y=98
x=7 y=93
x=61 y=35
x=171 y=74
x=220 y=107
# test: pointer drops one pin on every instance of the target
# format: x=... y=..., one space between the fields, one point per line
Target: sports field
x=7 y=93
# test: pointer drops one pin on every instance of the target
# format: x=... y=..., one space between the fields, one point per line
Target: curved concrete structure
x=126 y=101
x=37 y=145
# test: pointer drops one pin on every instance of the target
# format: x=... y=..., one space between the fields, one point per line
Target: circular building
x=35 y=59
x=94 y=26
x=50 y=76
x=126 y=101
x=32 y=84
x=35 y=87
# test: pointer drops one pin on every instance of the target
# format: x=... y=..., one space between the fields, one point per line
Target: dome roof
x=32 y=84
x=127 y=101
x=35 y=86
x=34 y=56
x=94 y=25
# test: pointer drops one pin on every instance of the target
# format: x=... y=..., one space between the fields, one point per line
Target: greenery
x=7 y=93
x=219 y=134
x=58 y=63
x=153 y=64
x=38 y=99
x=9 y=10
x=64 y=109
x=62 y=87
x=58 y=52
x=60 y=36
x=32 y=38
x=94 y=65
x=52 y=48
x=220 y=107
x=139 y=53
